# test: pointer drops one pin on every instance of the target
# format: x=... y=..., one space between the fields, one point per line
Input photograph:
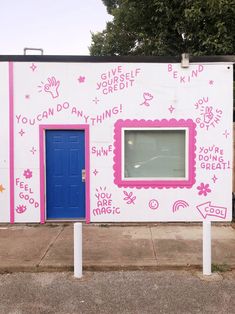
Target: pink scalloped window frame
x=155 y=183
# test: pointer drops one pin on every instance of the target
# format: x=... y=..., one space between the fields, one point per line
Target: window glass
x=154 y=154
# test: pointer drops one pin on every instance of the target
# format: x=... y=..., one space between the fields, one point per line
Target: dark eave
x=108 y=59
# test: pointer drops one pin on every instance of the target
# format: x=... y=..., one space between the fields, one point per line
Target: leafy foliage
x=167 y=27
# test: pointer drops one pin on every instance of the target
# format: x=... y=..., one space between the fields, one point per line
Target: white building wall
x=79 y=99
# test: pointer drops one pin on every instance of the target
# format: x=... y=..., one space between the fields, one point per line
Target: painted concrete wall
x=107 y=97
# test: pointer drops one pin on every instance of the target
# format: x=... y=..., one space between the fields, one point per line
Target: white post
x=206 y=248
x=78 y=250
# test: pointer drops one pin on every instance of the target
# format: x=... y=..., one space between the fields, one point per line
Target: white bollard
x=207 y=248
x=78 y=250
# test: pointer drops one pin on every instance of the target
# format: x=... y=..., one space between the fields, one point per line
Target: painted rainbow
x=179 y=204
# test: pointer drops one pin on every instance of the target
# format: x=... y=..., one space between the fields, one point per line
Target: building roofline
x=109 y=59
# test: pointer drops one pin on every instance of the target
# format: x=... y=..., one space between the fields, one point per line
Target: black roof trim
x=103 y=59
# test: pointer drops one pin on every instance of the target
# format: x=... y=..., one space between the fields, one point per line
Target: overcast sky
x=58 y=26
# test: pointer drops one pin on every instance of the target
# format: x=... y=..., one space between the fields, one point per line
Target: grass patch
x=220 y=268
x=104 y=225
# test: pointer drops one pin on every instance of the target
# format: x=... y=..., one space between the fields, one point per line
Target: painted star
x=226 y=134
x=171 y=108
x=214 y=178
x=96 y=100
x=95 y=172
x=211 y=82
x=81 y=79
x=1 y=188
x=33 y=67
x=33 y=150
x=27 y=96
x=22 y=132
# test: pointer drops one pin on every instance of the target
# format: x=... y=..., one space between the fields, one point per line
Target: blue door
x=65 y=162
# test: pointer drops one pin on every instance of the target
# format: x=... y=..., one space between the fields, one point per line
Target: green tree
x=167 y=27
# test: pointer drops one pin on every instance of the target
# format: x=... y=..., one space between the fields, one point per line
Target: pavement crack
x=154 y=250
x=50 y=245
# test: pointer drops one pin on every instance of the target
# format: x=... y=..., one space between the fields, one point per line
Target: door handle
x=83 y=175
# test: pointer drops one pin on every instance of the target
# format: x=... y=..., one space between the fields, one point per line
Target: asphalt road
x=137 y=292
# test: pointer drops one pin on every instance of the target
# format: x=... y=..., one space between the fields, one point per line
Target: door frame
x=42 y=153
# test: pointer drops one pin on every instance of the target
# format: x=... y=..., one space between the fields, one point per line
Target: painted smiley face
x=153 y=204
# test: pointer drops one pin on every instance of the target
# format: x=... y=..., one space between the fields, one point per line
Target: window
x=154 y=153
x=158 y=153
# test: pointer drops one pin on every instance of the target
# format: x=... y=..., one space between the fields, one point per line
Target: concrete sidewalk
x=50 y=247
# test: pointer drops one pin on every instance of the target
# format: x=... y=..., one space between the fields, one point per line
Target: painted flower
x=28 y=174
x=81 y=79
x=147 y=96
x=203 y=189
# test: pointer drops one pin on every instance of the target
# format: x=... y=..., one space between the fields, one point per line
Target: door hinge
x=83 y=175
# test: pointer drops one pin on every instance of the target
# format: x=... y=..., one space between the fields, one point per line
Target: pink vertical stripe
x=87 y=167
x=42 y=174
x=11 y=146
